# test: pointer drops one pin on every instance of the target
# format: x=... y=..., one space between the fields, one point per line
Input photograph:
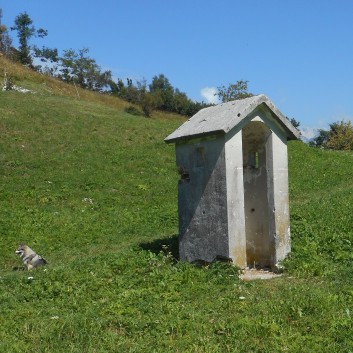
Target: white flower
x=88 y=200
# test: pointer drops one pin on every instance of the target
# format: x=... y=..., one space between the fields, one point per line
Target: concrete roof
x=224 y=117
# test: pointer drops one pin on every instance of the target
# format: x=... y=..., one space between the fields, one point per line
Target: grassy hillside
x=93 y=189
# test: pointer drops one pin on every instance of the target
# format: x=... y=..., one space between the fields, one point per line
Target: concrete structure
x=233 y=188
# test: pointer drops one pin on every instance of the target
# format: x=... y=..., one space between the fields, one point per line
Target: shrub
x=341 y=136
x=149 y=102
x=133 y=110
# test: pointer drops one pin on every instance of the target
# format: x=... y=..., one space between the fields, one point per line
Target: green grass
x=94 y=190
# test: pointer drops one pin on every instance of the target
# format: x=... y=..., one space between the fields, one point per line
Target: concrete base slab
x=253 y=274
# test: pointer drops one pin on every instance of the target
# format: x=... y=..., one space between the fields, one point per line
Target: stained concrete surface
x=255 y=274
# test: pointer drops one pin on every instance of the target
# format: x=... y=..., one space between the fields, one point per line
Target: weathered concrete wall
x=202 y=202
x=258 y=249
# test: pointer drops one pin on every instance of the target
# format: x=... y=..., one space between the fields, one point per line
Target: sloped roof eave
x=291 y=132
x=195 y=136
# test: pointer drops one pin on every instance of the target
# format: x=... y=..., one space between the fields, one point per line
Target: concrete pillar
x=280 y=199
x=235 y=199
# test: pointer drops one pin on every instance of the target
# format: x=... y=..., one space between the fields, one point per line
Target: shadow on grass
x=168 y=244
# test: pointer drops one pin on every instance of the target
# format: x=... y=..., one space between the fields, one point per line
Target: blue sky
x=299 y=53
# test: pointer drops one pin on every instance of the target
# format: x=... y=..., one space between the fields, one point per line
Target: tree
x=5 y=40
x=79 y=68
x=295 y=123
x=321 y=139
x=194 y=107
x=160 y=94
x=236 y=91
x=116 y=88
x=161 y=85
x=25 y=31
x=49 y=60
x=339 y=137
x=181 y=102
x=149 y=102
